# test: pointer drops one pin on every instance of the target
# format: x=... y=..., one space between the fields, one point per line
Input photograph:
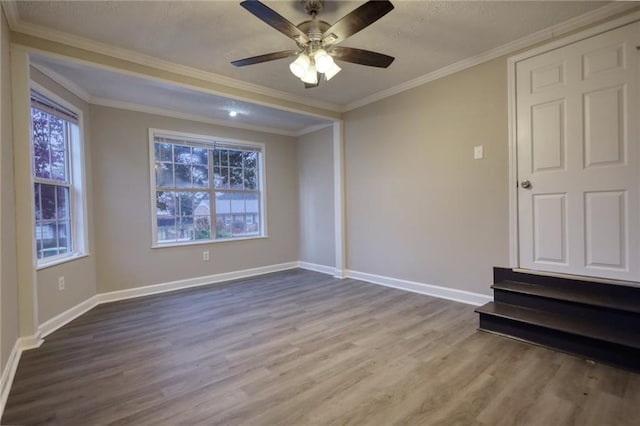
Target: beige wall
x=79 y=274
x=315 y=176
x=419 y=207
x=123 y=210
x=8 y=274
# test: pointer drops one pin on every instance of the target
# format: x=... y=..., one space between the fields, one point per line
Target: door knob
x=526 y=184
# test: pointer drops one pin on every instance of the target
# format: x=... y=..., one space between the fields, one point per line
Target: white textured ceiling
x=422 y=35
x=132 y=91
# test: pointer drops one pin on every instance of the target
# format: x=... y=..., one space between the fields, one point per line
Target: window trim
x=78 y=184
x=207 y=140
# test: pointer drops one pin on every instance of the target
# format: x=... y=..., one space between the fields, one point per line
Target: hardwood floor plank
x=303 y=348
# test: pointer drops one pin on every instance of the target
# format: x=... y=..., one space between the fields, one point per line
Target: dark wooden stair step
x=563 y=323
x=593 y=295
x=621 y=289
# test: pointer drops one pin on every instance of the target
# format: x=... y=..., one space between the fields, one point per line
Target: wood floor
x=298 y=348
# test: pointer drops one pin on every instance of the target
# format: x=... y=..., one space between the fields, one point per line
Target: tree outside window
x=52 y=175
x=192 y=203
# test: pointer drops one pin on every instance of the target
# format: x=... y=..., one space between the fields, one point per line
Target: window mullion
x=49 y=145
x=40 y=220
x=70 y=222
x=46 y=181
x=213 y=217
x=67 y=154
x=56 y=218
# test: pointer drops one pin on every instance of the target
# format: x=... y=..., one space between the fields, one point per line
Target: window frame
x=211 y=141
x=76 y=182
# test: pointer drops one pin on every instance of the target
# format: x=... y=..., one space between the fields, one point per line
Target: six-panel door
x=577 y=130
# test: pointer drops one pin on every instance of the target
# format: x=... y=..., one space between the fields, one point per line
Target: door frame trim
x=512 y=116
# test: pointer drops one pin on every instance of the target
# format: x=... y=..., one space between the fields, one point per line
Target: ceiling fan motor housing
x=314 y=30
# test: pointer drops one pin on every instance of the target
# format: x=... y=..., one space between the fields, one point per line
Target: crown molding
x=184 y=116
x=313 y=128
x=35 y=30
x=96 y=100
x=11 y=12
x=506 y=49
x=108 y=102
x=605 y=26
x=64 y=82
x=50 y=34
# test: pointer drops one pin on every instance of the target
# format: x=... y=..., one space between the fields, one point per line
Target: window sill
x=198 y=243
x=56 y=262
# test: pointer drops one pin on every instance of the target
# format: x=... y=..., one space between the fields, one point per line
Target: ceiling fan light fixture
x=311 y=76
x=323 y=60
x=331 y=72
x=316 y=39
x=300 y=66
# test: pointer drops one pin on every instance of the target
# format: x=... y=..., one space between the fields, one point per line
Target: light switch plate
x=477 y=152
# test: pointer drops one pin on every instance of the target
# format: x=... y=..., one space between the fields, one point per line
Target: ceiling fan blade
x=357 y=20
x=264 y=58
x=275 y=20
x=362 y=57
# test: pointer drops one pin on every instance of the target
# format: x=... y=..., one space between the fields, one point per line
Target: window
x=203 y=189
x=56 y=166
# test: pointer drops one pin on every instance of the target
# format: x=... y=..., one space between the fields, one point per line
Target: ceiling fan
x=317 y=40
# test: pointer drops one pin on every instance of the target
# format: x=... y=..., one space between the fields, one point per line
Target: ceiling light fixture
x=300 y=65
x=323 y=60
x=310 y=75
x=232 y=113
x=307 y=67
x=335 y=69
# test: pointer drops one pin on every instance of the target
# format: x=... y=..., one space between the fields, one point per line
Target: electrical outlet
x=205 y=255
x=60 y=283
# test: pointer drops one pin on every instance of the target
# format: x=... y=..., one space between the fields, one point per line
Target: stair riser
x=626 y=292
x=626 y=320
x=606 y=353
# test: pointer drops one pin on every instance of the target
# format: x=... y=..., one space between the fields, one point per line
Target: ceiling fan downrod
x=313 y=7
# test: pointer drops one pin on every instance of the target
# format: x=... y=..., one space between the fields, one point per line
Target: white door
x=578 y=157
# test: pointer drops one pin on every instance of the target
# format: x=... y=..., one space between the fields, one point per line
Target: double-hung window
x=205 y=189
x=57 y=168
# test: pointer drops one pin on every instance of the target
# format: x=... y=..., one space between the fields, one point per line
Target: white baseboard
x=30 y=342
x=191 y=282
x=317 y=268
x=467 y=297
x=66 y=317
x=69 y=315
x=9 y=373
x=340 y=273
x=462 y=296
x=49 y=326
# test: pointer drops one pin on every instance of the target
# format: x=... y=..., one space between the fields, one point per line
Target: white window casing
x=203 y=188
x=76 y=245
